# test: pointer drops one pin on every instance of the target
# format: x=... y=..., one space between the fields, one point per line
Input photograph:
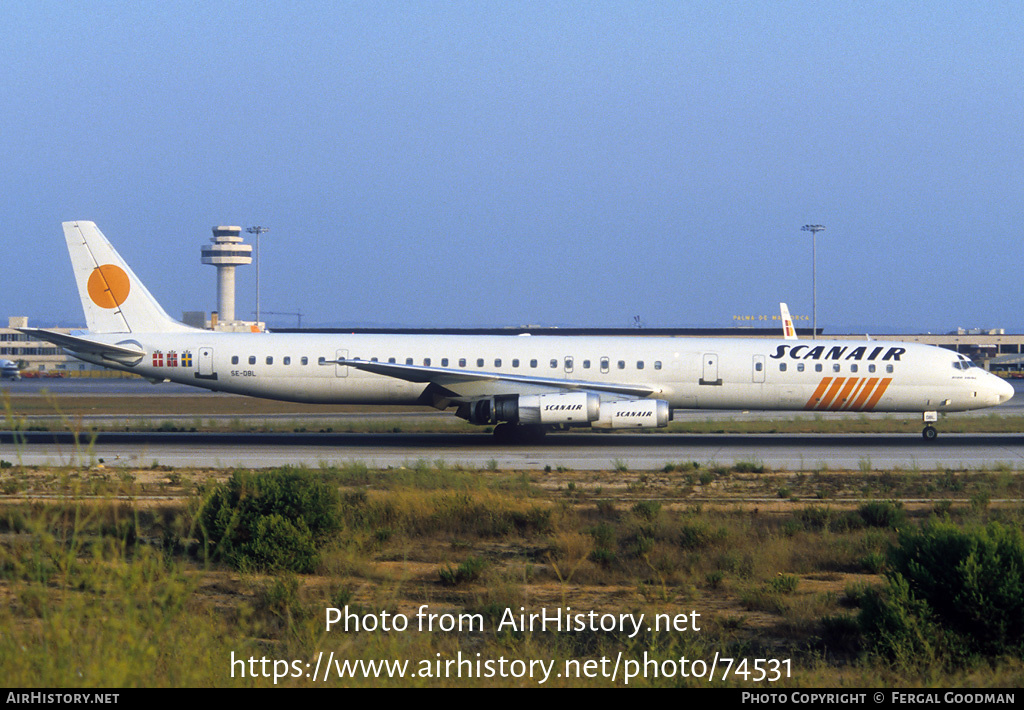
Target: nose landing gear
x=930 y=432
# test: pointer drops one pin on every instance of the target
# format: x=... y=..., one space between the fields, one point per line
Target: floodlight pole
x=257 y=231
x=813 y=229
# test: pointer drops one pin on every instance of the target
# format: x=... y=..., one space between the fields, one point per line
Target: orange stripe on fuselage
x=841 y=399
x=878 y=394
x=865 y=392
x=816 y=397
x=837 y=383
x=855 y=395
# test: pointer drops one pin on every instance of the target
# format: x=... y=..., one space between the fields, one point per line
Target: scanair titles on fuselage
x=524 y=386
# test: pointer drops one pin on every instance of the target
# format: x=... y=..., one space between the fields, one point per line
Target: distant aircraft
x=524 y=386
x=788 y=329
x=9 y=370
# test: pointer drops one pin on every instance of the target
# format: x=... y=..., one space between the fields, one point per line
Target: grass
x=105 y=582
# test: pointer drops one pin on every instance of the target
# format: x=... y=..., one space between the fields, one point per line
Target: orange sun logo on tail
x=109 y=286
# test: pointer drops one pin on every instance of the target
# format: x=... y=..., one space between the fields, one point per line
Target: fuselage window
x=444 y=362
x=305 y=360
x=462 y=362
x=408 y=361
x=252 y=359
x=871 y=368
x=287 y=360
x=497 y=362
x=568 y=364
x=888 y=368
x=622 y=364
x=554 y=364
x=270 y=359
x=835 y=367
x=392 y=360
x=515 y=362
x=372 y=359
x=657 y=364
x=426 y=362
x=853 y=368
x=639 y=364
x=799 y=367
x=586 y=364
x=604 y=364
x=234 y=359
x=533 y=363
x=480 y=362
x=817 y=367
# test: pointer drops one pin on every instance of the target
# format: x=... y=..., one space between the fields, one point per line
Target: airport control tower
x=226 y=252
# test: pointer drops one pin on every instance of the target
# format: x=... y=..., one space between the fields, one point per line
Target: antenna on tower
x=257 y=230
x=814 y=229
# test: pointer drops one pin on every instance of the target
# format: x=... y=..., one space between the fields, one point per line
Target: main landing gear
x=508 y=433
x=930 y=432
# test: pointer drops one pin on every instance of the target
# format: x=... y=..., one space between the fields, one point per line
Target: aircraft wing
x=127 y=353
x=470 y=383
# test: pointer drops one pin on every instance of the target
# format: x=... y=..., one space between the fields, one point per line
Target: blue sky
x=485 y=163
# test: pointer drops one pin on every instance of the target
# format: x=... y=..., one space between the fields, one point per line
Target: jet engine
x=634 y=414
x=570 y=409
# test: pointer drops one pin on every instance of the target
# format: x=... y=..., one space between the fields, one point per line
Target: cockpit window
x=964 y=364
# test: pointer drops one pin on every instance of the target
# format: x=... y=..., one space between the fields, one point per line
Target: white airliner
x=524 y=385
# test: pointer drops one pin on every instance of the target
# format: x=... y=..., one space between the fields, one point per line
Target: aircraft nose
x=1004 y=390
x=999 y=389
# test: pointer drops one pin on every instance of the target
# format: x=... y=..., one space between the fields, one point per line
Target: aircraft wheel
x=930 y=433
x=531 y=434
x=505 y=432
x=508 y=433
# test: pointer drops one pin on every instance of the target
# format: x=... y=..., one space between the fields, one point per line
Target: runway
x=582 y=451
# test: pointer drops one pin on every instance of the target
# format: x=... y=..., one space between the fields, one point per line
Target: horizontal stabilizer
x=124 y=352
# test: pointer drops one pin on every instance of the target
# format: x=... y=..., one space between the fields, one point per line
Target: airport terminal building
x=38 y=358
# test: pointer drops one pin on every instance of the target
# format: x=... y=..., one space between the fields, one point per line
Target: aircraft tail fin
x=788 y=329
x=113 y=297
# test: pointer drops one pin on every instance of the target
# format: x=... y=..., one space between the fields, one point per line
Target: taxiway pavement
x=583 y=451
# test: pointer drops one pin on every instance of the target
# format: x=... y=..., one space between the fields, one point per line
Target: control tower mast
x=226 y=252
